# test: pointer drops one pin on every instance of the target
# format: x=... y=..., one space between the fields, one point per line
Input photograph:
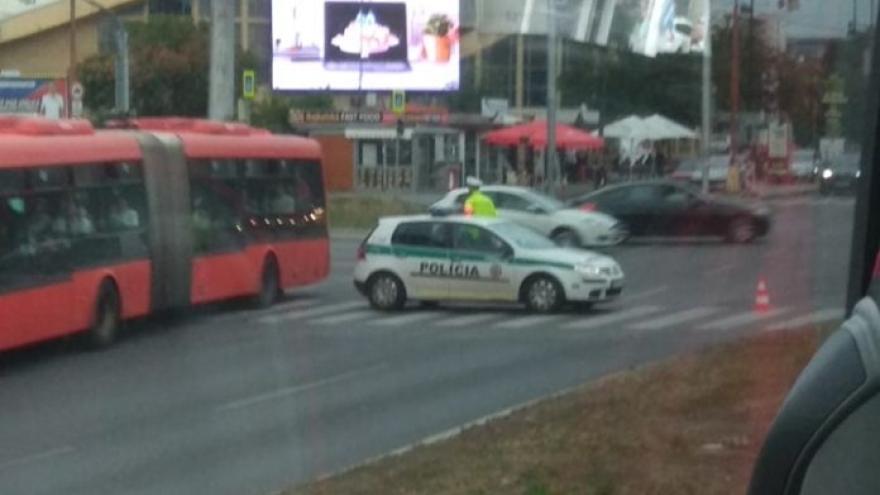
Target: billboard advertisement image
x=365 y=45
x=26 y=96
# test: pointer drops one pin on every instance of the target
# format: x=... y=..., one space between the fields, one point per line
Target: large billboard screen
x=365 y=45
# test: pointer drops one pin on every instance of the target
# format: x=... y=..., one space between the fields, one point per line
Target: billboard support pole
x=552 y=161
x=707 y=93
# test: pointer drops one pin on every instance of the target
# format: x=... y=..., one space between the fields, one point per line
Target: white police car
x=429 y=258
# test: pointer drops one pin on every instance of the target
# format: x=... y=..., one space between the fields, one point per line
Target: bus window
x=106 y=214
x=216 y=197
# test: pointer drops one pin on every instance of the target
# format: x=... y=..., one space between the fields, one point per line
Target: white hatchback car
x=457 y=258
x=548 y=216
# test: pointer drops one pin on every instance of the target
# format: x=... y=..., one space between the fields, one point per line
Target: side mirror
x=825 y=438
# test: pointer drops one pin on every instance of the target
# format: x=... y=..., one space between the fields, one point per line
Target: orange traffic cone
x=762 y=297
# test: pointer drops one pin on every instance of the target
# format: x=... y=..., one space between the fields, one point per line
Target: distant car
x=840 y=174
x=803 y=165
x=459 y=258
x=548 y=216
x=666 y=208
x=691 y=171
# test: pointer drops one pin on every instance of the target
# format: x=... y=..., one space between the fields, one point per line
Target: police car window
x=475 y=238
x=461 y=198
x=421 y=234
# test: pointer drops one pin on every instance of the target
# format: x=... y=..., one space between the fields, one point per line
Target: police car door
x=421 y=251
x=480 y=265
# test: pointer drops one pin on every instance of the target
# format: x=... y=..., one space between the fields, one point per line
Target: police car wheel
x=566 y=238
x=543 y=294
x=386 y=292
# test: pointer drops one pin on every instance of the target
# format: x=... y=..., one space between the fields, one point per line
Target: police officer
x=477 y=203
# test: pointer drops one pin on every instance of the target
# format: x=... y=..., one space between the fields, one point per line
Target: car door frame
x=538 y=220
x=495 y=279
x=419 y=266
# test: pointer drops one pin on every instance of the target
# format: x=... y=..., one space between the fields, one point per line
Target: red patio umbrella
x=567 y=137
x=511 y=136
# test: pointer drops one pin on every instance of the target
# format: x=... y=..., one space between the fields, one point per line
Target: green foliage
x=272 y=111
x=622 y=83
x=438 y=25
x=169 y=69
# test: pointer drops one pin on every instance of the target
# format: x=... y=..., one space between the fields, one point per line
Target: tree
x=169 y=69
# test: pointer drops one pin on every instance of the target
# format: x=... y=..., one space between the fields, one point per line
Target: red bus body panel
x=67 y=307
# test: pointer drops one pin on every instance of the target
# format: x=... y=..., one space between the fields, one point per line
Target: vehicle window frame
x=446 y=244
x=455 y=248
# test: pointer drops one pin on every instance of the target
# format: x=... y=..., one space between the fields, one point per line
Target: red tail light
x=589 y=207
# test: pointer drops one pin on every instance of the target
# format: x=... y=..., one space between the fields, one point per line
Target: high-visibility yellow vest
x=480 y=205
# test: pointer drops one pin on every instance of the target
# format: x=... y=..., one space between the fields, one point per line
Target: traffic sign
x=249 y=84
x=398 y=102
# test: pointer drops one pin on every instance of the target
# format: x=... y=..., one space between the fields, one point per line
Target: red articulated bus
x=97 y=227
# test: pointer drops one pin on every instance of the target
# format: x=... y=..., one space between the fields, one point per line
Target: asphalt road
x=224 y=400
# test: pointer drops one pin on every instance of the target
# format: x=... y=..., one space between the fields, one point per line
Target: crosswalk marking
x=816 y=317
x=599 y=321
x=743 y=319
x=308 y=313
x=470 y=319
x=405 y=319
x=675 y=319
x=526 y=321
x=343 y=318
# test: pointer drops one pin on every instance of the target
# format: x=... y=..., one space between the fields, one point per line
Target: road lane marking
x=816 y=317
x=646 y=294
x=308 y=313
x=468 y=320
x=526 y=321
x=607 y=319
x=405 y=319
x=675 y=319
x=67 y=449
x=721 y=269
x=298 y=389
x=743 y=319
x=344 y=318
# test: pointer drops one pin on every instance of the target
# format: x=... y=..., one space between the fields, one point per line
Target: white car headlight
x=827 y=173
x=589 y=270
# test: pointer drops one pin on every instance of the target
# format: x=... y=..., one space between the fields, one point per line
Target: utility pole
x=221 y=94
x=121 y=63
x=71 y=70
x=707 y=93
x=734 y=85
x=552 y=162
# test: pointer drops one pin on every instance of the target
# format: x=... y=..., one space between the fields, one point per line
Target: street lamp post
x=551 y=157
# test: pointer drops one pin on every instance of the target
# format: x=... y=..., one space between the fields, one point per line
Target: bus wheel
x=270 y=285
x=107 y=317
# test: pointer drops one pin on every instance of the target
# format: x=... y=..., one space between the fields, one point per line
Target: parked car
x=668 y=208
x=840 y=174
x=804 y=165
x=544 y=214
x=691 y=171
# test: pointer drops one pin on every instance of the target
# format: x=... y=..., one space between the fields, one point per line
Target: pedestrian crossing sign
x=398 y=102
x=249 y=84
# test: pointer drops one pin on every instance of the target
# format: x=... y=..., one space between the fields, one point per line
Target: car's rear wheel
x=565 y=238
x=543 y=294
x=386 y=292
x=107 y=317
x=741 y=230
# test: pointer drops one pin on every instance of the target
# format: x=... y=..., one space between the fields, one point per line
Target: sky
x=814 y=18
